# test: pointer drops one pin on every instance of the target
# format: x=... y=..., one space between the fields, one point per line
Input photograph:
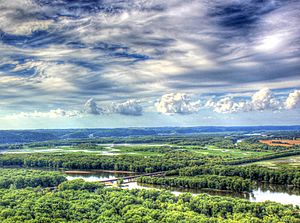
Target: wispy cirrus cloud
x=52 y=114
x=59 y=53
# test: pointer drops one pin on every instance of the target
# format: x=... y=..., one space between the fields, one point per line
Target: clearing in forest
x=281 y=142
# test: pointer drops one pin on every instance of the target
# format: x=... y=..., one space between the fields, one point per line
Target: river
x=262 y=192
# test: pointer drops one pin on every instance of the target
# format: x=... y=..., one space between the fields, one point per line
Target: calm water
x=263 y=192
x=94 y=176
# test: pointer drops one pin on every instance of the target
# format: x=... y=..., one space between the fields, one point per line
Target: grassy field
x=235 y=153
x=142 y=150
x=145 y=149
x=291 y=161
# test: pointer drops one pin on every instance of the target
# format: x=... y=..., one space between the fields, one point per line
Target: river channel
x=262 y=192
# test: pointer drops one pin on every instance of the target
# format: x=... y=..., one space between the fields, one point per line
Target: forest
x=168 y=161
x=204 y=181
x=289 y=176
x=78 y=201
x=22 y=178
x=35 y=189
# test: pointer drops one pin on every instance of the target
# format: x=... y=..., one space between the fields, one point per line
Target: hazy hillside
x=22 y=136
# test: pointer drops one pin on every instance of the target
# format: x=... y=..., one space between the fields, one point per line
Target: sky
x=135 y=63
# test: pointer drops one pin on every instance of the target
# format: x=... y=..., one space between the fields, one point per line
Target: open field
x=142 y=150
x=291 y=161
x=105 y=149
x=282 y=142
x=235 y=153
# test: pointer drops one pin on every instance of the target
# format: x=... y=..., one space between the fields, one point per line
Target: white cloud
x=177 y=103
x=108 y=61
x=91 y=107
x=12 y=23
x=276 y=34
x=228 y=105
x=54 y=113
x=264 y=99
x=130 y=107
x=270 y=43
x=261 y=100
x=26 y=27
x=293 y=100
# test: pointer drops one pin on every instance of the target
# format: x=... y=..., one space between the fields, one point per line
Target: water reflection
x=93 y=176
x=264 y=187
x=179 y=190
x=259 y=195
x=262 y=192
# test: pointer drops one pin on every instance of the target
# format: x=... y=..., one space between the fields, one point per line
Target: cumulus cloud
x=228 y=105
x=130 y=107
x=264 y=99
x=177 y=103
x=261 y=100
x=293 y=100
x=91 y=107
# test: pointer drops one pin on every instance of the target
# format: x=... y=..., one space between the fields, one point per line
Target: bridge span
x=131 y=178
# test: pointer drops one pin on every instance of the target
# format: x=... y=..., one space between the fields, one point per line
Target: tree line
x=20 y=178
x=168 y=161
x=290 y=176
x=236 y=184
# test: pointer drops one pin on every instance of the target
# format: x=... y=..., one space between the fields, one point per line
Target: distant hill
x=24 y=136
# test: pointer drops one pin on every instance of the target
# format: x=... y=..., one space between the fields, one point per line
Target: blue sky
x=115 y=63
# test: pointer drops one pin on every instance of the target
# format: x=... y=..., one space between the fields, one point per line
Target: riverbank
x=97 y=171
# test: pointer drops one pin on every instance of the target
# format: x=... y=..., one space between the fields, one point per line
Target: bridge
x=131 y=178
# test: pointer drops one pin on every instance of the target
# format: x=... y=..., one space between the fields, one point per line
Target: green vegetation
x=193 y=161
x=145 y=150
x=237 y=184
x=232 y=146
x=120 y=182
x=21 y=178
x=68 y=204
x=291 y=161
x=168 y=161
x=274 y=155
x=149 y=150
x=230 y=153
x=290 y=176
x=80 y=184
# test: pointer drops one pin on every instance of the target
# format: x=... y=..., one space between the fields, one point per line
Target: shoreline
x=99 y=171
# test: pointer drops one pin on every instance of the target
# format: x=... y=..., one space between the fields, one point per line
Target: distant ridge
x=24 y=136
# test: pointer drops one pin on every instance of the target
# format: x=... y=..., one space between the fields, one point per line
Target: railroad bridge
x=131 y=178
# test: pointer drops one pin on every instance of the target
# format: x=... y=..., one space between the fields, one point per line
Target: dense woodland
x=236 y=184
x=22 y=178
x=168 y=161
x=290 y=176
x=81 y=202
